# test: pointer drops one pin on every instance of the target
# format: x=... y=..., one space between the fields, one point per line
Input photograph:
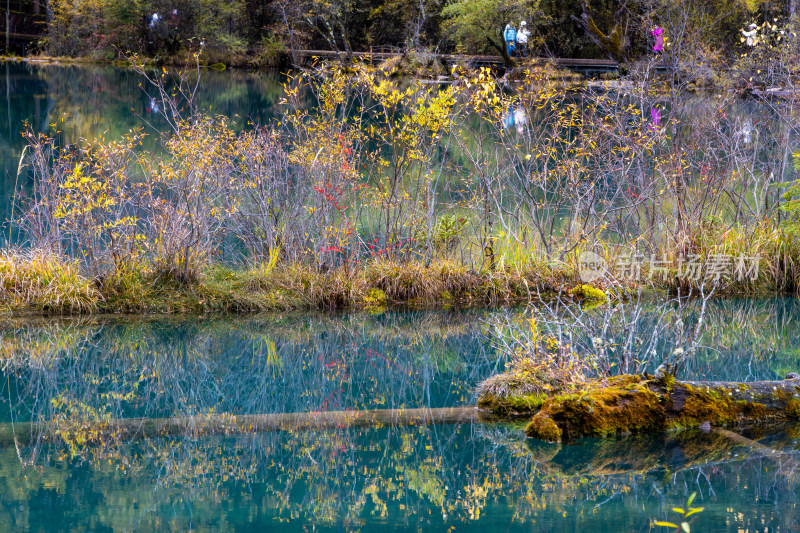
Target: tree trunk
x=637 y=404
x=508 y=61
x=8 y=27
x=226 y=424
x=615 y=44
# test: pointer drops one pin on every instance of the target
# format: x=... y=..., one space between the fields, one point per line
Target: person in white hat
x=752 y=39
x=523 y=34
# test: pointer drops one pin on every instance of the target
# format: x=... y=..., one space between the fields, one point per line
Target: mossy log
x=635 y=404
x=228 y=424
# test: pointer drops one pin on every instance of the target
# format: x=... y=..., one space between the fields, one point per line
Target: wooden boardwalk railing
x=19 y=36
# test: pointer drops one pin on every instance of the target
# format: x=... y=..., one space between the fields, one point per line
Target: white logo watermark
x=638 y=267
x=592 y=266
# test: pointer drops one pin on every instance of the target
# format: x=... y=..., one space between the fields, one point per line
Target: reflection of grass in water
x=382 y=361
x=448 y=475
x=42 y=346
x=742 y=339
x=166 y=367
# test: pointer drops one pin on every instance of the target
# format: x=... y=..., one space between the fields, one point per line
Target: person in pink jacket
x=658 y=38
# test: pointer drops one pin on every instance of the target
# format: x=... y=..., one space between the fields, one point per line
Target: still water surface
x=461 y=477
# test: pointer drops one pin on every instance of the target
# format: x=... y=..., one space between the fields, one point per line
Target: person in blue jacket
x=510 y=36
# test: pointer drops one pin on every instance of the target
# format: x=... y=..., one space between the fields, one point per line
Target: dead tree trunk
x=615 y=43
x=225 y=424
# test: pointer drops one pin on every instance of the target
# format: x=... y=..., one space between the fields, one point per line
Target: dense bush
x=427 y=193
x=561 y=28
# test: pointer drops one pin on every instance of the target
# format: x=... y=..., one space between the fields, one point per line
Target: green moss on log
x=512 y=405
x=635 y=404
x=793 y=408
x=600 y=411
x=588 y=292
x=544 y=428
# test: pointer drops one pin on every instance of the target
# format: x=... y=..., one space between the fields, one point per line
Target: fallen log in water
x=224 y=423
x=620 y=405
x=631 y=404
x=669 y=452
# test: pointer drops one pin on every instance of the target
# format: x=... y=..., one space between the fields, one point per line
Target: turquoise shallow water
x=460 y=477
x=428 y=479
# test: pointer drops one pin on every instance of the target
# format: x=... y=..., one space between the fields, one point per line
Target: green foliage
x=791 y=206
x=589 y=292
x=445 y=233
x=101 y=28
x=685 y=525
x=271 y=52
x=375 y=300
x=477 y=25
x=81 y=28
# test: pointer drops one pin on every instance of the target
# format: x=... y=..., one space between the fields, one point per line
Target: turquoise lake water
x=92 y=102
x=460 y=477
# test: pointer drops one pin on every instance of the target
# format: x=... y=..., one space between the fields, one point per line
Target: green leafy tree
x=415 y=23
x=339 y=22
x=477 y=25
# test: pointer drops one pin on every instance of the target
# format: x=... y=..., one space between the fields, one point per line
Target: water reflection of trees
x=177 y=368
x=428 y=477
x=303 y=363
x=170 y=367
x=743 y=339
x=749 y=339
x=77 y=374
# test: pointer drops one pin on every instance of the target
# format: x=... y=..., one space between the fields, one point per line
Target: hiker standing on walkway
x=752 y=39
x=658 y=39
x=510 y=36
x=522 y=38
